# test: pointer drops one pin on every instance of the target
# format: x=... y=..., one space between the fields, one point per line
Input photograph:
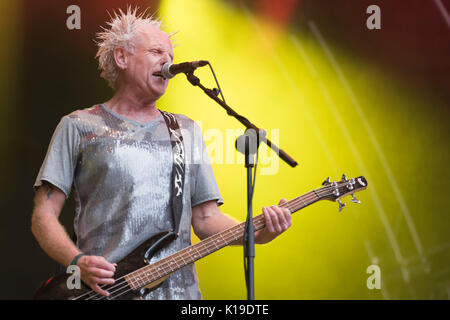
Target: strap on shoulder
x=178 y=167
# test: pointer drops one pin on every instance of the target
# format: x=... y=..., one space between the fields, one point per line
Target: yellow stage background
x=335 y=114
x=331 y=108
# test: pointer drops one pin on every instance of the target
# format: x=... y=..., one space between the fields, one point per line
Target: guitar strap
x=178 y=168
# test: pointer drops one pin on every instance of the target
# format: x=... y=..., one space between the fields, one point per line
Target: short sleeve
x=206 y=187
x=60 y=161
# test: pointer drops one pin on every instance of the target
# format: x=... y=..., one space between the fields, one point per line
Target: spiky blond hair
x=122 y=33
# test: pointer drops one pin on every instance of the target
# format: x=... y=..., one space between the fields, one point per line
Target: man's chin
x=156 y=94
x=157 y=90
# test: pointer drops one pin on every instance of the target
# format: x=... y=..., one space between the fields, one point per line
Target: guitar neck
x=184 y=257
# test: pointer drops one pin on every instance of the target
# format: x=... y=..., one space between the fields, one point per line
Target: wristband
x=77 y=257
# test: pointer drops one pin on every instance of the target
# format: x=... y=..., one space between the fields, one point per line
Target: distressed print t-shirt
x=120 y=174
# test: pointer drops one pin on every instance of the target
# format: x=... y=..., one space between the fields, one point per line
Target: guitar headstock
x=336 y=190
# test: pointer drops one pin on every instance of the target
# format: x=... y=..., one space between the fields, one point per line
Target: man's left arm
x=207 y=220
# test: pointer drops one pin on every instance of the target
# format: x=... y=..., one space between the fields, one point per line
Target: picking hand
x=95 y=270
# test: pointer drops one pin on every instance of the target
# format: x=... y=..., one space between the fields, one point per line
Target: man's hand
x=95 y=270
x=277 y=220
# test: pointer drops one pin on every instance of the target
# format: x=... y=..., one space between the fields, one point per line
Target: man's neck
x=125 y=103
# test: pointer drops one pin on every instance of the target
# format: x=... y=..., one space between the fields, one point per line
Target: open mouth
x=158 y=74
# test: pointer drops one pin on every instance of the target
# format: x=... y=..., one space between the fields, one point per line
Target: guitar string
x=114 y=293
x=294 y=201
x=163 y=264
x=257 y=224
x=207 y=247
x=208 y=250
x=317 y=193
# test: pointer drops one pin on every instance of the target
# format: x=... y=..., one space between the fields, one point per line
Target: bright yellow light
x=284 y=81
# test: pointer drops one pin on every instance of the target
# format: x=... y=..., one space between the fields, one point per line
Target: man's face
x=153 y=49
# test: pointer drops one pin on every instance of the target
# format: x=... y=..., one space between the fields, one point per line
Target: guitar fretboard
x=184 y=257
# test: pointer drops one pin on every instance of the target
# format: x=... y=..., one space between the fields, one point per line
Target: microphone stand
x=249 y=236
x=249 y=233
x=250 y=141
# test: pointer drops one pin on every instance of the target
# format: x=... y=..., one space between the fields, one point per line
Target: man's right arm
x=55 y=241
x=47 y=229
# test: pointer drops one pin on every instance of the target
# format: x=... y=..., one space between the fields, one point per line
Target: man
x=117 y=158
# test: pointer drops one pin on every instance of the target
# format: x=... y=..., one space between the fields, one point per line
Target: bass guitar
x=135 y=272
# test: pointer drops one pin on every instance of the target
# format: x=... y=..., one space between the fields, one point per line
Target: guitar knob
x=336 y=189
x=341 y=205
x=344 y=177
x=326 y=182
x=350 y=184
x=354 y=200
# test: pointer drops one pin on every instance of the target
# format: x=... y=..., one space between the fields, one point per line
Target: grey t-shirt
x=120 y=173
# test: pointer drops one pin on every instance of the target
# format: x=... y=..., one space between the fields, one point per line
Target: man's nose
x=165 y=59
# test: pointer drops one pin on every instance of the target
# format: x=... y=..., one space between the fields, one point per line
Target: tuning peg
x=354 y=200
x=326 y=182
x=341 y=205
x=344 y=177
x=336 y=189
x=350 y=184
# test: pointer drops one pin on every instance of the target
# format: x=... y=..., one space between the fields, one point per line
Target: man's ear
x=121 y=58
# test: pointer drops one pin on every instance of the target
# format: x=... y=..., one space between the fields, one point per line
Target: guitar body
x=56 y=287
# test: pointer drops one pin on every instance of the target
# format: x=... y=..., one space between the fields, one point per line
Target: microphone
x=170 y=70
